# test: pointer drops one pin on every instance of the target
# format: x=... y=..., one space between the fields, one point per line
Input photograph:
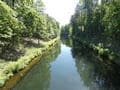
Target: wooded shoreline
x=20 y=74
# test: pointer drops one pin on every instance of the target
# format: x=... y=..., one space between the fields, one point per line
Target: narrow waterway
x=62 y=70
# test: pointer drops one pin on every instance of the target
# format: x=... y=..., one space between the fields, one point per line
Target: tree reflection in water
x=94 y=73
x=39 y=76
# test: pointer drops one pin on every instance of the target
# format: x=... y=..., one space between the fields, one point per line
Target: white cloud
x=61 y=10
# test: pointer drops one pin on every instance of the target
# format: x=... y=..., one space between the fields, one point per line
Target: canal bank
x=16 y=70
x=99 y=50
x=73 y=68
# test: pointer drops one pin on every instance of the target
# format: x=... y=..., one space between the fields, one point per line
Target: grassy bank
x=9 y=68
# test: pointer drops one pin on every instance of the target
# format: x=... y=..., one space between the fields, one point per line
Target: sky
x=61 y=10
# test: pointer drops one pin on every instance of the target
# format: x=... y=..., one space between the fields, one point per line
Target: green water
x=69 y=67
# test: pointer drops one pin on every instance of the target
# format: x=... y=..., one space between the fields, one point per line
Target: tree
x=10 y=27
x=13 y=3
x=39 y=5
x=112 y=19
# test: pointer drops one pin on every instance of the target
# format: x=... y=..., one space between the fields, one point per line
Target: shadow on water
x=38 y=77
x=67 y=41
x=76 y=68
x=95 y=74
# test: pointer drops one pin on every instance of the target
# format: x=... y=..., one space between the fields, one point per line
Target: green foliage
x=47 y=27
x=13 y=67
x=10 y=27
x=29 y=17
x=38 y=24
x=66 y=31
x=112 y=18
x=24 y=19
x=13 y=3
x=20 y=19
x=39 y=5
x=95 y=23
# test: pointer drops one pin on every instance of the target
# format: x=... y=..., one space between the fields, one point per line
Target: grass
x=9 y=68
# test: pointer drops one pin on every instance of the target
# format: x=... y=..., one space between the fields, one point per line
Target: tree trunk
x=38 y=41
x=3 y=50
x=13 y=3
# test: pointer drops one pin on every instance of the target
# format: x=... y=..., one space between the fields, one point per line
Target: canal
x=69 y=67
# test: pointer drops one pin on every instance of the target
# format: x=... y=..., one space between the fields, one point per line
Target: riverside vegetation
x=25 y=32
x=96 y=25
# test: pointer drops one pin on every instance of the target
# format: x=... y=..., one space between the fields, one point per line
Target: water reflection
x=76 y=68
x=39 y=76
x=67 y=41
x=95 y=74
